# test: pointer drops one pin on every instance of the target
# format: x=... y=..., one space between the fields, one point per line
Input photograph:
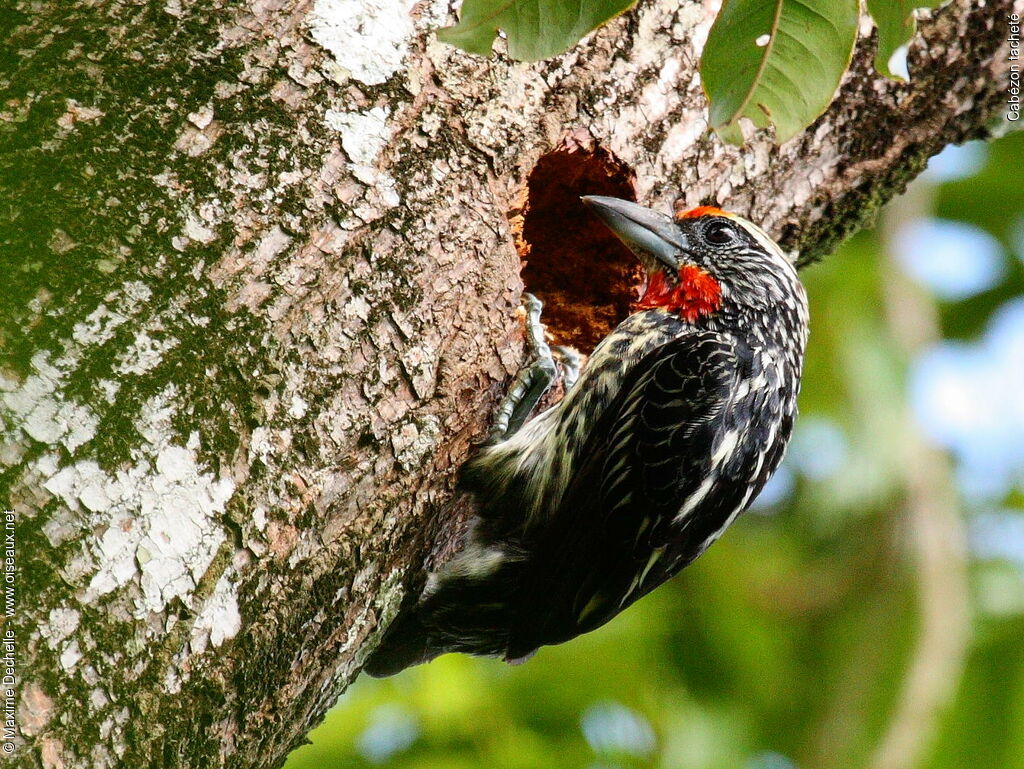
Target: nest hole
x=584 y=275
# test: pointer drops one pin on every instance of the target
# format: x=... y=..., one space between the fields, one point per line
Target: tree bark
x=262 y=291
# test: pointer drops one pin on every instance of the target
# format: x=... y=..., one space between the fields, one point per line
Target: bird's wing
x=648 y=457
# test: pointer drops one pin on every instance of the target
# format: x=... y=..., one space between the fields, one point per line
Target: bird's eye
x=719 y=233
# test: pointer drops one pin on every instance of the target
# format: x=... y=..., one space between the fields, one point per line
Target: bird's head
x=700 y=260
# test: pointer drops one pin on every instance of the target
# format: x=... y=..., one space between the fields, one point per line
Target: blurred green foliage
x=786 y=645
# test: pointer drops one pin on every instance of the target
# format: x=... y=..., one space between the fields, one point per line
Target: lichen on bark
x=261 y=299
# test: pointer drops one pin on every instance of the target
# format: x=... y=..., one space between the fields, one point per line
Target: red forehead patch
x=699 y=211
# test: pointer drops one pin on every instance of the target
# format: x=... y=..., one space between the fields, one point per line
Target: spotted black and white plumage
x=676 y=422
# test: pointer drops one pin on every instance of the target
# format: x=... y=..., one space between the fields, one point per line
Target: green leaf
x=536 y=29
x=895 y=22
x=777 y=63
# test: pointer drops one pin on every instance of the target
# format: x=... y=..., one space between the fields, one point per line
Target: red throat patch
x=695 y=296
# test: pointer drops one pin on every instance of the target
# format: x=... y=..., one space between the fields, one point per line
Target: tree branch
x=262 y=298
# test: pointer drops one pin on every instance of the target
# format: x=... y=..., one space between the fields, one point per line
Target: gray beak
x=646 y=232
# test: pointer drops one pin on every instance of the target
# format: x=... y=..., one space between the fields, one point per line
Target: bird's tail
x=406 y=643
x=468 y=613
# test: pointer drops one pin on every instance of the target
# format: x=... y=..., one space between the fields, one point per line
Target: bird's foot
x=531 y=382
x=568 y=361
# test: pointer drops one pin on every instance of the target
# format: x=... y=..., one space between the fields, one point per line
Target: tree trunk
x=263 y=265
